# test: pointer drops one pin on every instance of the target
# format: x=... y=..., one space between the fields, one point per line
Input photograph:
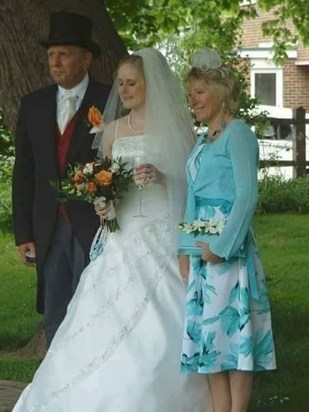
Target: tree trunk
x=35 y=348
x=23 y=65
x=9 y=393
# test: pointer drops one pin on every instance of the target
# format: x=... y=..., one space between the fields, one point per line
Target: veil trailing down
x=118 y=348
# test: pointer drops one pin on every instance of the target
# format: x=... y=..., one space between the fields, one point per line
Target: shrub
x=283 y=196
x=6 y=139
x=6 y=164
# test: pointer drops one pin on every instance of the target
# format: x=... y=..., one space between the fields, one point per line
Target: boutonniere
x=95 y=119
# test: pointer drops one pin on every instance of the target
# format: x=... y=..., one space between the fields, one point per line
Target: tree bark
x=9 y=393
x=35 y=348
x=23 y=65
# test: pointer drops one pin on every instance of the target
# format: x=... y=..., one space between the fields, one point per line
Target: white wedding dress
x=118 y=348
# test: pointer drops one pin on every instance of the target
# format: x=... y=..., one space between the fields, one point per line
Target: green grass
x=17 y=369
x=284 y=241
x=17 y=297
x=18 y=318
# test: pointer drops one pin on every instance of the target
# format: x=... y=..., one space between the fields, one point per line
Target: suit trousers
x=63 y=266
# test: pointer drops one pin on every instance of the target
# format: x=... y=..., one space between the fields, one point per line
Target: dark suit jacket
x=35 y=205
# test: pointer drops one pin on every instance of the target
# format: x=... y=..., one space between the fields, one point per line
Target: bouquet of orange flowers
x=99 y=182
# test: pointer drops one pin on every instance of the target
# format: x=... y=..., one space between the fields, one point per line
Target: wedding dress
x=118 y=348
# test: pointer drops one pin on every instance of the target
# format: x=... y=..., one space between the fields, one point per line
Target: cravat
x=67 y=112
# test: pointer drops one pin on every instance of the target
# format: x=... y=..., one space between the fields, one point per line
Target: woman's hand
x=184 y=264
x=208 y=255
x=105 y=210
x=147 y=173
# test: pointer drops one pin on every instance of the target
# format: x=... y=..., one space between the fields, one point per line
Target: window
x=265 y=88
x=266 y=84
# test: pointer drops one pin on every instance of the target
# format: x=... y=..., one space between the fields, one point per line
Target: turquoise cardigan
x=224 y=173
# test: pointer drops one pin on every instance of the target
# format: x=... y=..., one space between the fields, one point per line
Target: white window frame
x=264 y=66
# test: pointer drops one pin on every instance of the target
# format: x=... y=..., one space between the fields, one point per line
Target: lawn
x=18 y=318
x=284 y=241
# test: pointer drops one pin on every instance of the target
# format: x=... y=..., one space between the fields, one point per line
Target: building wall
x=295 y=85
x=252 y=29
x=295 y=77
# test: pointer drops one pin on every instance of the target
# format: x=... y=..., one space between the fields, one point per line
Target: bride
x=118 y=348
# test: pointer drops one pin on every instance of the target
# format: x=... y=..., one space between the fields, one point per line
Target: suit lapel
x=48 y=124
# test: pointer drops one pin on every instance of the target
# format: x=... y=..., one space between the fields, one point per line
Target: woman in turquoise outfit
x=228 y=333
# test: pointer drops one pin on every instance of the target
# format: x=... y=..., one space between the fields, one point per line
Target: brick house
x=279 y=88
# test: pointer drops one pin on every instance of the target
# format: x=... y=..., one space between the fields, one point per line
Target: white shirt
x=79 y=90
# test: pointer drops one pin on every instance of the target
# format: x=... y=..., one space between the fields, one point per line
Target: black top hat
x=71 y=29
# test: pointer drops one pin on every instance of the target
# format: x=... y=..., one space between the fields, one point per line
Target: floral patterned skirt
x=225 y=329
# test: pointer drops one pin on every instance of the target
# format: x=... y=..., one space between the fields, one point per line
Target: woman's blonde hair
x=222 y=80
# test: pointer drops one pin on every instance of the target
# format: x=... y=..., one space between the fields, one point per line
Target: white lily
x=88 y=169
x=99 y=202
x=115 y=167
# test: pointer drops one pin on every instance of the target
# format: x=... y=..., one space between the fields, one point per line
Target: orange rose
x=79 y=177
x=94 y=116
x=91 y=187
x=104 y=178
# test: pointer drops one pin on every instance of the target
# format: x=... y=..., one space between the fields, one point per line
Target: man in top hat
x=53 y=132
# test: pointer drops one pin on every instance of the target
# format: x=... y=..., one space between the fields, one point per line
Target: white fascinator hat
x=206 y=59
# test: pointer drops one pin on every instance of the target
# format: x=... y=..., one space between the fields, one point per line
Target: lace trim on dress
x=129 y=290
x=128 y=147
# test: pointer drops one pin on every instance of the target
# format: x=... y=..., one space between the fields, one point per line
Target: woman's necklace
x=216 y=133
x=130 y=125
x=211 y=137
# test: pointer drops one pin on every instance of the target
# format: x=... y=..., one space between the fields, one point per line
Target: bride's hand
x=104 y=209
x=102 y=212
x=147 y=173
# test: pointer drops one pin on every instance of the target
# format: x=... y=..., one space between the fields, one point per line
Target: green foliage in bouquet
x=100 y=182
x=103 y=178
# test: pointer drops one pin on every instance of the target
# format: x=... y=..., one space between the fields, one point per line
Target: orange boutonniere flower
x=95 y=117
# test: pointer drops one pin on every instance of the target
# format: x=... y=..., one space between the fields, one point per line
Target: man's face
x=68 y=65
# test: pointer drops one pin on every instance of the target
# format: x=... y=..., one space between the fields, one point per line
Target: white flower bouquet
x=203 y=227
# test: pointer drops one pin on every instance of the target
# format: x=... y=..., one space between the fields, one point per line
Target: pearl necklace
x=130 y=125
